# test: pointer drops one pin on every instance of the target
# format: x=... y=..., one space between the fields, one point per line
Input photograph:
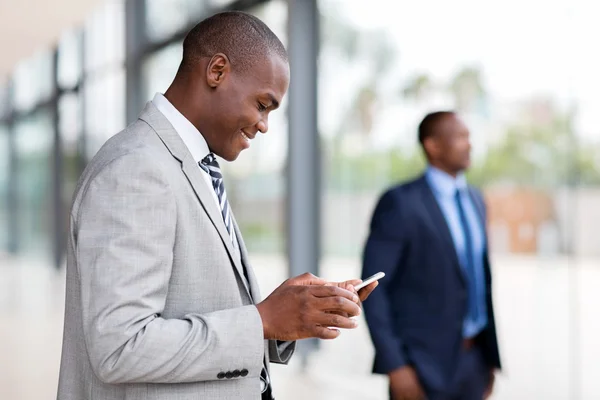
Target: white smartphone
x=369 y=280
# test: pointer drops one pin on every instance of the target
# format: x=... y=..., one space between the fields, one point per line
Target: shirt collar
x=443 y=183
x=192 y=138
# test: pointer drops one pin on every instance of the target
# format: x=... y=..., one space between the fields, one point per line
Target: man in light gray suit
x=162 y=302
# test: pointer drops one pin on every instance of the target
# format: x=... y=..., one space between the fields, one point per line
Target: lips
x=247 y=136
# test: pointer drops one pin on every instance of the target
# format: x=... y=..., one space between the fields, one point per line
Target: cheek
x=250 y=115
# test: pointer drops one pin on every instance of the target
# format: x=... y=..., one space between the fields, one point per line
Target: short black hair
x=242 y=37
x=429 y=125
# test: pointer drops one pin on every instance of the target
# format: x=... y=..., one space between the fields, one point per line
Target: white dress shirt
x=192 y=138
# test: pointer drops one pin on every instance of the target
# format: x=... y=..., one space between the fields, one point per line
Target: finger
x=306 y=279
x=322 y=332
x=338 y=305
x=335 y=321
x=333 y=291
x=364 y=293
x=346 y=286
x=352 y=282
x=343 y=314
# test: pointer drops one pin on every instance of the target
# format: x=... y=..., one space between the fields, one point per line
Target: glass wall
x=526 y=95
x=4 y=179
x=4 y=168
x=165 y=18
x=256 y=186
x=104 y=67
x=159 y=69
x=90 y=107
x=34 y=140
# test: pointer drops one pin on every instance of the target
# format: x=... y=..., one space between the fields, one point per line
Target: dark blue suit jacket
x=416 y=314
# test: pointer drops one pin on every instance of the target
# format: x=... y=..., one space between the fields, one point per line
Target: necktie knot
x=210 y=160
x=210 y=165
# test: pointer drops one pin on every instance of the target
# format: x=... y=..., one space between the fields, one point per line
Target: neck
x=177 y=96
x=192 y=105
x=450 y=171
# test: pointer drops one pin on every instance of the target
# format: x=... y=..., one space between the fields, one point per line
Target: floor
x=547 y=317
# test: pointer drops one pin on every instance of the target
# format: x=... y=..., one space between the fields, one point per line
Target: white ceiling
x=29 y=25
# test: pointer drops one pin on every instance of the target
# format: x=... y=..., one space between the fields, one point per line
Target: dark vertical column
x=135 y=37
x=58 y=221
x=303 y=170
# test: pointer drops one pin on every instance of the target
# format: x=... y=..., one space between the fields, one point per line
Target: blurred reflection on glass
x=104 y=108
x=255 y=182
x=197 y=10
x=4 y=171
x=159 y=69
x=69 y=59
x=33 y=80
x=34 y=140
x=219 y=3
x=4 y=106
x=69 y=108
x=105 y=36
x=165 y=17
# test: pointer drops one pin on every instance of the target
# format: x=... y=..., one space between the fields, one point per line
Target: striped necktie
x=210 y=165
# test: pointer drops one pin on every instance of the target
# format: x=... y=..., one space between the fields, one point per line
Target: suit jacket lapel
x=438 y=221
x=254 y=289
x=190 y=168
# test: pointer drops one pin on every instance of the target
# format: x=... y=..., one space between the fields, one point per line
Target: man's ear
x=431 y=147
x=217 y=70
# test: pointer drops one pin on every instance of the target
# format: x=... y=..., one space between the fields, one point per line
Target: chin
x=231 y=156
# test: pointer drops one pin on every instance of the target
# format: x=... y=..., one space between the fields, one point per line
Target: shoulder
x=136 y=149
x=132 y=159
x=406 y=190
x=401 y=195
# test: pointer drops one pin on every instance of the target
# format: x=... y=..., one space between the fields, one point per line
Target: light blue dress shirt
x=444 y=188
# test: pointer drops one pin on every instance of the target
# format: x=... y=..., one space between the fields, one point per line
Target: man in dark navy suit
x=432 y=320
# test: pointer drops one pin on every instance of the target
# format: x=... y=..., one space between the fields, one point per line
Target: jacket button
x=229 y=375
x=221 y=375
x=236 y=373
x=244 y=372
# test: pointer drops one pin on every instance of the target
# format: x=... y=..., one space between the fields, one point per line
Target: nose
x=263 y=125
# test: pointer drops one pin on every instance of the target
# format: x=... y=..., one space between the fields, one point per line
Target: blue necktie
x=469 y=259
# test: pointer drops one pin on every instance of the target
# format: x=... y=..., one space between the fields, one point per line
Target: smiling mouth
x=246 y=136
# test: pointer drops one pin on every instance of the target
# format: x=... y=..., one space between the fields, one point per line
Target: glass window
x=160 y=68
x=104 y=108
x=69 y=59
x=4 y=100
x=219 y=3
x=70 y=130
x=105 y=36
x=255 y=181
x=34 y=141
x=165 y=17
x=197 y=9
x=33 y=80
x=4 y=177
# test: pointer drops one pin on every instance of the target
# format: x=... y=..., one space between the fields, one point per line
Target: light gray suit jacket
x=156 y=303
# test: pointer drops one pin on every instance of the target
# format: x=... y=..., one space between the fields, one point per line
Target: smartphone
x=369 y=280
